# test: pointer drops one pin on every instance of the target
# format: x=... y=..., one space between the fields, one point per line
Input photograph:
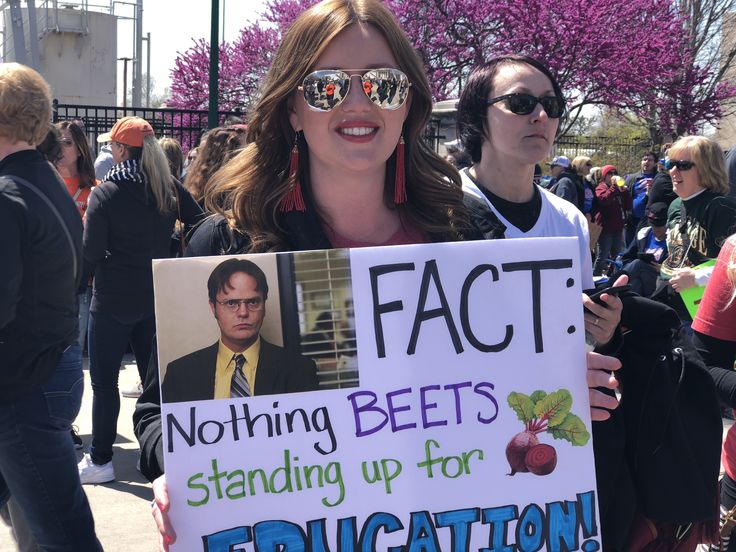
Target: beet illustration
x=517 y=449
x=542 y=412
x=541 y=459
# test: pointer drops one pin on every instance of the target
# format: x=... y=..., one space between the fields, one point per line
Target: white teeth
x=357 y=131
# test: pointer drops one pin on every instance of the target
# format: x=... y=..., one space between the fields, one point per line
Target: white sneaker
x=91 y=473
x=133 y=392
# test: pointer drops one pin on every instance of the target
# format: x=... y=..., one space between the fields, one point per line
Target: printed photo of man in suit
x=241 y=363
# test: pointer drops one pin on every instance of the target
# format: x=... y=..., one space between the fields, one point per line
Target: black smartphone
x=613 y=290
x=646 y=257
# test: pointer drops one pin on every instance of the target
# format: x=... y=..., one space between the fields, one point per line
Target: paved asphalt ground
x=121 y=509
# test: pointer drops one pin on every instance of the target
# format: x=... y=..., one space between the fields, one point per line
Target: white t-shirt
x=557 y=218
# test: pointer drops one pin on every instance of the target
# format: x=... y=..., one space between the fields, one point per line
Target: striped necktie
x=239 y=386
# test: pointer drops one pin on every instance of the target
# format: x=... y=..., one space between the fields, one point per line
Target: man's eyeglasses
x=524 y=104
x=324 y=90
x=67 y=142
x=679 y=165
x=251 y=305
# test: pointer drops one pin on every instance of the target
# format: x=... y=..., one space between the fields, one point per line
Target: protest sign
x=469 y=427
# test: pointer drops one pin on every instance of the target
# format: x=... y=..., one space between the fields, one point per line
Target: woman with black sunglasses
x=699 y=220
x=508 y=116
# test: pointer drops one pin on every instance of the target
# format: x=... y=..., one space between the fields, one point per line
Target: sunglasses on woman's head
x=324 y=90
x=680 y=165
x=66 y=141
x=524 y=104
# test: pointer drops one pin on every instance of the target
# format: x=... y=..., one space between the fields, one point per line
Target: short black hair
x=472 y=106
x=650 y=154
x=220 y=277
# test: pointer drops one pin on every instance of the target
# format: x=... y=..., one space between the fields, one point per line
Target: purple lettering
x=456 y=391
x=368 y=407
x=394 y=409
x=428 y=406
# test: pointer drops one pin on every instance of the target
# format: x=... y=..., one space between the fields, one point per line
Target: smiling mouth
x=357 y=131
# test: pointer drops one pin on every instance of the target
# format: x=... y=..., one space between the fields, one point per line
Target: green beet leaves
x=550 y=412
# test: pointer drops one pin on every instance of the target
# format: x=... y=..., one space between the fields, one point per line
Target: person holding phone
x=508 y=116
x=335 y=159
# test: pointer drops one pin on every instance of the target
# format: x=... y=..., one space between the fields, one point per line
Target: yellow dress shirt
x=226 y=367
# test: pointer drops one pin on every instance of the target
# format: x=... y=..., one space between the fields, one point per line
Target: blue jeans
x=84 y=301
x=109 y=335
x=608 y=247
x=38 y=465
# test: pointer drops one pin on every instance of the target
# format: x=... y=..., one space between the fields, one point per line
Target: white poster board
x=470 y=427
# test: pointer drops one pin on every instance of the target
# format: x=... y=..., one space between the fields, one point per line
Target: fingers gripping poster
x=412 y=398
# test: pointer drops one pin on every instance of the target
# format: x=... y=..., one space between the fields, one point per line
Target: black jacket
x=38 y=301
x=192 y=377
x=123 y=232
x=570 y=187
x=639 y=245
x=661 y=189
x=214 y=237
x=660 y=453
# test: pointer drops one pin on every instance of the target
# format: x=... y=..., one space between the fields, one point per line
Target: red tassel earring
x=293 y=200
x=399 y=178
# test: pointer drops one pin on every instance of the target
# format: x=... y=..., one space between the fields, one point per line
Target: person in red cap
x=614 y=201
x=130 y=220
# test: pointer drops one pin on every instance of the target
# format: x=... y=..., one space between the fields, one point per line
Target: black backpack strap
x=55 y=211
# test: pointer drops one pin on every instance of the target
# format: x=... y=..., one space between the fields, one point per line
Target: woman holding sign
x=335 y=159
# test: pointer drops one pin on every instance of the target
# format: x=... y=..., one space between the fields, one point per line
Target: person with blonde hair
x=41 y=380
x=714 y=331
x=571 y=182
x=129 y=222
x=699 y=220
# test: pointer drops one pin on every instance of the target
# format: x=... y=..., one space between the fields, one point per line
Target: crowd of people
x=312 y=169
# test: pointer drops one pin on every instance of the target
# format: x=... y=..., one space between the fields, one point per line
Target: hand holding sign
x=160 y=513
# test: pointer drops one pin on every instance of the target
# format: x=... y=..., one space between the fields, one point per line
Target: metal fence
x=624 y=154
x=186 y=125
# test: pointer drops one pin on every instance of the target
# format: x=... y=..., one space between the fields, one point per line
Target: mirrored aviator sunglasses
x=524 y=104
x=324 y=90
x=679 y=165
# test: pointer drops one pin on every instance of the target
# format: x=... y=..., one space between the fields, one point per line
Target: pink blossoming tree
x=632 y=55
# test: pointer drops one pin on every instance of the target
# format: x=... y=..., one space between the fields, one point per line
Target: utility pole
x=212 y=118
x=125 y=61
x=138 y=55
x=148 y=69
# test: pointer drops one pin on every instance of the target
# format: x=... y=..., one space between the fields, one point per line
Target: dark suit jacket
x=192 y=377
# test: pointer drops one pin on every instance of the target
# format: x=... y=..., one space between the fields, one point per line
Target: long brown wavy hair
x=222 y=145
x=247 y=190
